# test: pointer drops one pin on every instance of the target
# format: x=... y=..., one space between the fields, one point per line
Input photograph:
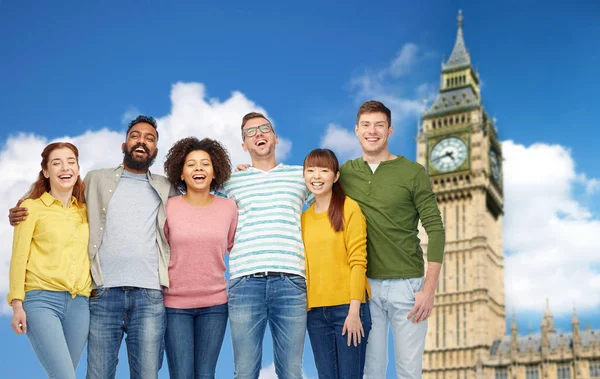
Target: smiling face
x=140 y=147
x=62 y=170
x=319 y=180
x=198 y=171
x=262 y=144
x=373 y=131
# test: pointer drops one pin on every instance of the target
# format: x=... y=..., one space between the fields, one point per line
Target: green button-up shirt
x=393 y=199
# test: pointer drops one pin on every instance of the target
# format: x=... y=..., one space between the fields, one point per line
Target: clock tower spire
x=458 y=145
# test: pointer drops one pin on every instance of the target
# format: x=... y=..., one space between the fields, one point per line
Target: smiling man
x=394 y=193
x=266 y=264
x=129 y=257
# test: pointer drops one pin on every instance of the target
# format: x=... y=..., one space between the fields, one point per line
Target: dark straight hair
x=327 y=158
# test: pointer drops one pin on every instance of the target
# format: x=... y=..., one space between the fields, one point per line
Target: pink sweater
x=199 y=238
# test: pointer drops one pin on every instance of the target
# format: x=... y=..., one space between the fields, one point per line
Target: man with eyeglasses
x=266 y=264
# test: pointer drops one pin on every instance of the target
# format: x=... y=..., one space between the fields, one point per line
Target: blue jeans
x=391 y=301
x=278 y=300
x=193 y=341
x=57 y=328
x=140 y=313
x=333 y=357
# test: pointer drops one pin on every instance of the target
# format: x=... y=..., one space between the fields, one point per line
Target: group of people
x=129 y=252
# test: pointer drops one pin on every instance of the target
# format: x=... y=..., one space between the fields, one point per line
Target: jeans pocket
x=98 y=293
x=415 y=284
x=296 y=281
x=155 y=296
x=32 y=295
x=235 y=281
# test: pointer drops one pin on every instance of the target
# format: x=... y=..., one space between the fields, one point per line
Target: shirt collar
x=48 y=200
x=120 y=168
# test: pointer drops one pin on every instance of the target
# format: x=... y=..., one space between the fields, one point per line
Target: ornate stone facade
x=458 y=144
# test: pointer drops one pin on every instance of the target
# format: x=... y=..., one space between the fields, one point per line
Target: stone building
x=547 y=355
x=458 y=143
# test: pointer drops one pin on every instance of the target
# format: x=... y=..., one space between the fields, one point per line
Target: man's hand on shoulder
x=242 y=167
x=17 y=214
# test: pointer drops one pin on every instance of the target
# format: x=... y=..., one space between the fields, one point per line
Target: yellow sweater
x=50 y=249
x=336 y=262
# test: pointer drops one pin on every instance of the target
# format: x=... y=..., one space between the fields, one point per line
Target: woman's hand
x=19 y=318
x=352 y=325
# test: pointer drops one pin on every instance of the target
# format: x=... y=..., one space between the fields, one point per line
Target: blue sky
x=78 y=70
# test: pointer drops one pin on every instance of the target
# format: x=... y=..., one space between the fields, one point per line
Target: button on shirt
x=50 y=249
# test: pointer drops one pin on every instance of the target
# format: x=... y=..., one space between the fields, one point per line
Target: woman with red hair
x=50 y=280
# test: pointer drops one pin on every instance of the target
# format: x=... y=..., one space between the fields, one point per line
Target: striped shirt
x=268 y=235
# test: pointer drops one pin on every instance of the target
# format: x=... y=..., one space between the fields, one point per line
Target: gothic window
x=464 y=273
x=563 y=371
x=501 y=373
x=444 y=330
x=532 y=372
x=457 y=321
x=437 y=329
x=465 y=324
x=457 y=228
x=595 y=369
x=457 y=273
x=464 y=222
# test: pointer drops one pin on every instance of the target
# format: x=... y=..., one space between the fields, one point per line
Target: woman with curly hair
x=200 y=228
x=50 y=280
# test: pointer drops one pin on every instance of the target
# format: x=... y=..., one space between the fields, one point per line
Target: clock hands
x=448 y=154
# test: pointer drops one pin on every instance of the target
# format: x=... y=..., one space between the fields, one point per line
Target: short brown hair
x=374 y=106
x=250 y=116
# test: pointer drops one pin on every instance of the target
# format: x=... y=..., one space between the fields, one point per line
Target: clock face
x=448 y=154
x=494 y=165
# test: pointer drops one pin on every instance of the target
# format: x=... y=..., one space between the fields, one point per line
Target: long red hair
x=42 y=184
x=326 y=158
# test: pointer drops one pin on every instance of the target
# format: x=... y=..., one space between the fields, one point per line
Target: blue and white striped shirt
x=268 y=236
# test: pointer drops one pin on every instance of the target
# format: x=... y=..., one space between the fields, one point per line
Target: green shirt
x=393 y=198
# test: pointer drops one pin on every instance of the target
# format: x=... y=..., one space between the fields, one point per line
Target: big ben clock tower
x=459 y=147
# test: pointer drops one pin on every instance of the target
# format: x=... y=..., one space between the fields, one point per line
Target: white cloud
x=130 y=114
x=192 y=114
x=269 y=373
x=343 y=142
x=387 y=85
x=550 y=238
x=404 y=60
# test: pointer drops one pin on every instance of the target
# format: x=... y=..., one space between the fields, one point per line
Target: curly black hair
x=218 y=155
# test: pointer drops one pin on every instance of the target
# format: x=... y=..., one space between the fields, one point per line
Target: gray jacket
x=100 y=186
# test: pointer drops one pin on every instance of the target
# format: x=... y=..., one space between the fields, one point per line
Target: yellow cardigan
x=336 y=262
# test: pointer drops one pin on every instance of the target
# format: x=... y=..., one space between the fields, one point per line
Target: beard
x=139 y=164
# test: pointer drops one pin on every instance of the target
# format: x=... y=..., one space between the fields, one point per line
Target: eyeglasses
x=251 y=132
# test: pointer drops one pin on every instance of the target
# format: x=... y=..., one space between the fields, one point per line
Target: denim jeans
x=138 y=312
x=193 y=341
x=391 y=302
x=57 y=328
x=279 y=301
x=333 y=357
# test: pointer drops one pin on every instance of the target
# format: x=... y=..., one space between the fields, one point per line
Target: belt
x=266 y=274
